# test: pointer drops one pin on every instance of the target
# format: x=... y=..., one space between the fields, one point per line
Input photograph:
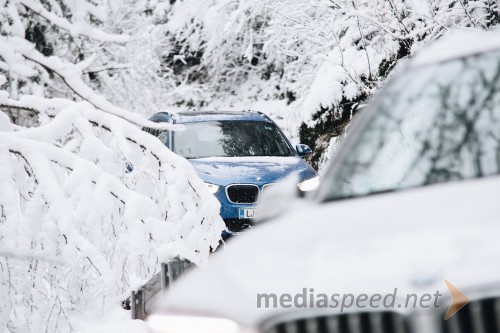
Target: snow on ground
x=114 y=320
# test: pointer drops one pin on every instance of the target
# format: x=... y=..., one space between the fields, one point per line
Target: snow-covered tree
x=322 y=58
x=89 y=204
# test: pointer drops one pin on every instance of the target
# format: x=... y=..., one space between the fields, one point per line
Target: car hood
x=413 y=241
x=227 y=170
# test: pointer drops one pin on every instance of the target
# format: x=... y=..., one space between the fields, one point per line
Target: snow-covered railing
x=142 y=301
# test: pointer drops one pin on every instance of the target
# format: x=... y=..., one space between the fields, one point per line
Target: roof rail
x=258 y=112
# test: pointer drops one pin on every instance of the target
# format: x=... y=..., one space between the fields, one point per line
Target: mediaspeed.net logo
x=310 y=298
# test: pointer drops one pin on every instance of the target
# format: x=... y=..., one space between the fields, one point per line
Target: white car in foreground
x=420 y=170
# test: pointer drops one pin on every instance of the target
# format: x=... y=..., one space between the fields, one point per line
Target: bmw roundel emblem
x=259 y=179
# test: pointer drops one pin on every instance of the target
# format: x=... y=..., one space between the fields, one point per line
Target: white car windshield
x=435 y=124
x=230 y=139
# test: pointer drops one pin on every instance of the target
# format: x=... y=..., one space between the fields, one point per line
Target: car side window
x=160 y=134
x=163 y=136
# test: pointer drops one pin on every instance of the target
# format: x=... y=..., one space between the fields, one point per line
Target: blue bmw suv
x=238 y=155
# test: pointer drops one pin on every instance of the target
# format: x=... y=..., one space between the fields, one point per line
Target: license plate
x=247 y=213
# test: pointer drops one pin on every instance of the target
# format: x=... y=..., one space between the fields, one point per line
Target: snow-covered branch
x=75 y=29
x=71 y=75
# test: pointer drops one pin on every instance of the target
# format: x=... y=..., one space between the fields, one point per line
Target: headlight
x=212 y=188
x=188 y=324
x=309 y=185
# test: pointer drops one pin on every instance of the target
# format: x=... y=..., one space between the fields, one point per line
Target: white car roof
x=457 y=44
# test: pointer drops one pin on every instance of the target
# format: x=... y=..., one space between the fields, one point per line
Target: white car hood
x=411 y=240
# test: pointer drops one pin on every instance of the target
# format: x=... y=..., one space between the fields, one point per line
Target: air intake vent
x=368 y=322
x=481 y=316
x=242 y=193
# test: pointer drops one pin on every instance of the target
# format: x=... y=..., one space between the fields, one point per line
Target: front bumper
x=236 y=225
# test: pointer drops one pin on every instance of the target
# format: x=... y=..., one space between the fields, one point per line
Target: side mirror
x=303 y=150
x=278 y=199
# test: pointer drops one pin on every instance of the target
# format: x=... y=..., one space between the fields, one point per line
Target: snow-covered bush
x=89 y=204
x=77 y=229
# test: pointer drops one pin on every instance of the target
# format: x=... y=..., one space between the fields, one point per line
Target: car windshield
x=435 y=124
x=230 y=139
